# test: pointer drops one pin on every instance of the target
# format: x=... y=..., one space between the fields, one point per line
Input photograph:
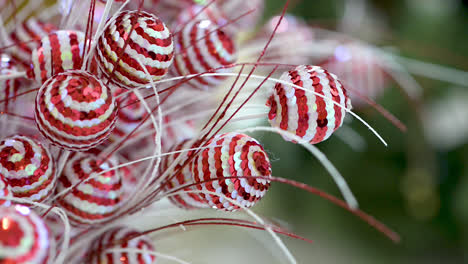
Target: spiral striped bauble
x=8 y=87
x=5 y=191
x=58 y=52
x=24 y=237
x=201 y=47
x=232 y=155
x=27 y=37
x=28 y=168
x=75 y=110
x=131 y=40
x=360 y=68
x=122 y=238
x=93 y=201
x=181 y=175
x=312 y=112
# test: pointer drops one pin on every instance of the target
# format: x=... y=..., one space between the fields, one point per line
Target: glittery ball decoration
x=301 y=111
x=122 y=238
x=27 y=37
x=75 y=110
x=5 y=191
x=232 y=155
x=58 y=52
x=201 y=47
x=360 y=68
x=181 y=175
x=8 y=87
x=201 y=12
x=93 y=201
x=24 y=237
x=28 y=168
x=132 y=40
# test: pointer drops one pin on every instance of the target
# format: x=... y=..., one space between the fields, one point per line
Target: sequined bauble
x=58 y=52
x=24 y=237
x=181 y=175
x=15 y=12
x=201 y=12
x=75 y=110
x=361 y=69
x=302 y=112
x=28 y=167
x=27 y=37
x=5 y=191
x=8 y=87
x=131 y=113
x=201 y=47
x=132 y=40
x=122 y=238
x=95 y=200
x=232 y=155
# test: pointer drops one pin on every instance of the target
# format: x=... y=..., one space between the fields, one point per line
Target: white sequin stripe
x=46 y=51
x=312 y=108
x=192 y=58
x=165 y=34
x=65 y=48
x=108 y=64
x=200 y=39
x=213 y=37
x=109 y=67
x=276 y=121
x=293 y=110
x=329 y=105
x=342 y=96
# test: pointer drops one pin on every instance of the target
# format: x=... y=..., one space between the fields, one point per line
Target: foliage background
x=419 y=190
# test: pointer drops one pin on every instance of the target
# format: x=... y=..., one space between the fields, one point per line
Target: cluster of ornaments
x=86 y=109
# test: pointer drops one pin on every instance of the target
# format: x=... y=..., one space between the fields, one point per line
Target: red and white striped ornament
x=96 y=200
x=232 y=155
x=360 y=68
x=27 y=37
x=122 y=238
x=58 y=52
x=183 y=176
x=149 y=43
x=5 y=192
x=201 y=47
x=8 y=87
x=28 y=167
x=24 y=237
x=303 y=113
x=75 y=110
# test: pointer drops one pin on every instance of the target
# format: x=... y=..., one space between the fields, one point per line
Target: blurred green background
x=416 y=188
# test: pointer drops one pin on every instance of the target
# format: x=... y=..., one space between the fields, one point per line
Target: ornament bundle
x=112 y=107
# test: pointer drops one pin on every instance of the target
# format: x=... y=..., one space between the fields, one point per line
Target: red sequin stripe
x=186 y=33
x=322 y=120
x=151 y=23
x=227 y=43
x=56 y=58
x=76 y=213
x=195 y=45
x=93 y=182
x=283 y=100
x=213 y=52
x=124 y=57
x=336 y=98
x=302 y=107
x=84 y=88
